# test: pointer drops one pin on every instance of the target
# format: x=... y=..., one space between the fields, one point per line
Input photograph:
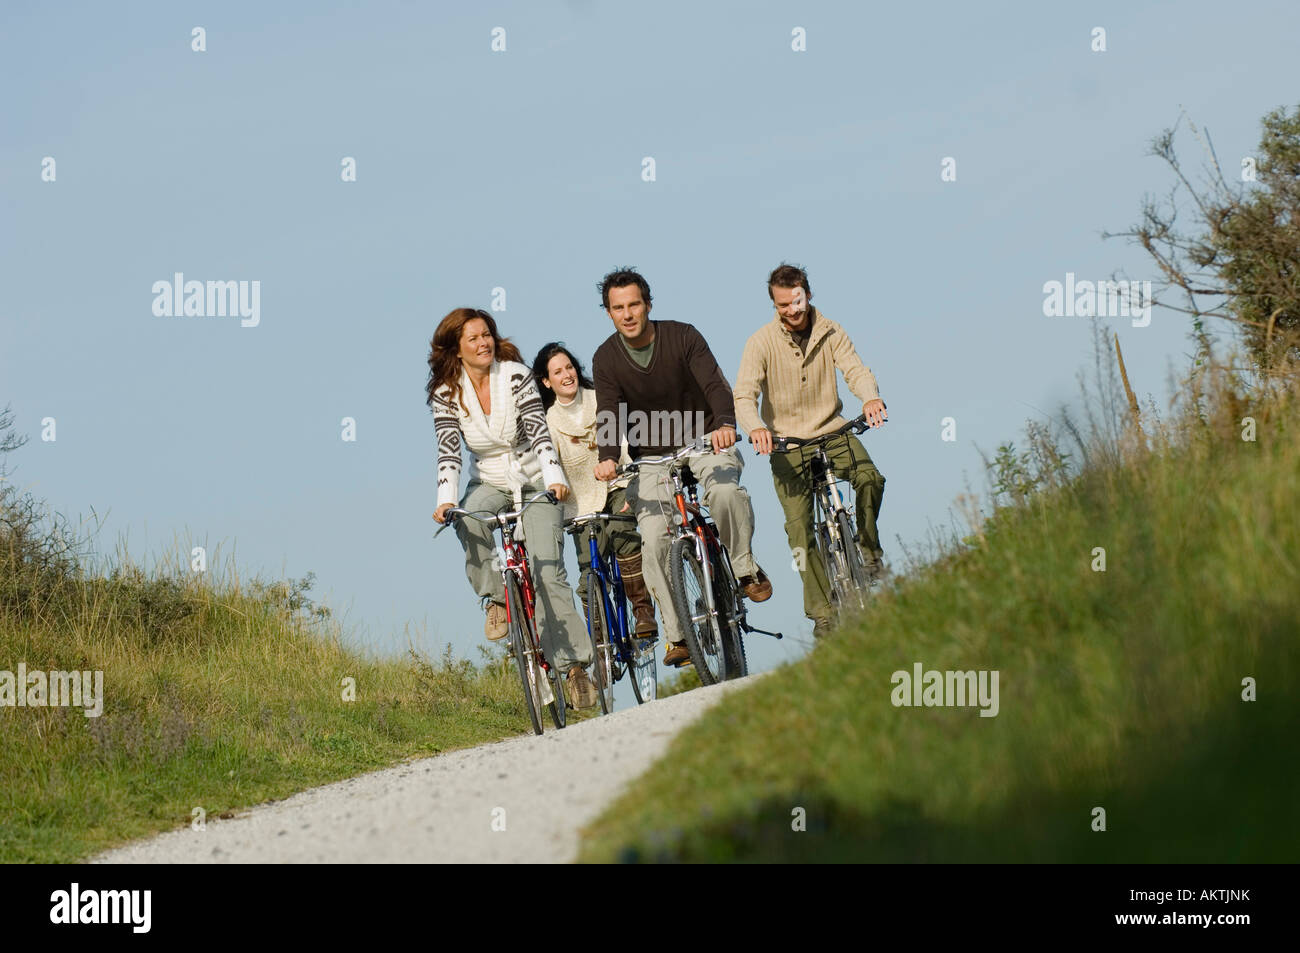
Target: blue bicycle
x=616 y=651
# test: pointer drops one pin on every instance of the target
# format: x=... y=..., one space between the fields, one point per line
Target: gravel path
x=543 y=790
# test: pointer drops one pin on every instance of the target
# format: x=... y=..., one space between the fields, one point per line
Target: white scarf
x=491 y=437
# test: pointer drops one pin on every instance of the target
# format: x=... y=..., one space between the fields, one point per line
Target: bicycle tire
x=559 y=714
x=832 y=561
x=726 y=597
x=703 y=639
x=521 y=644
x=598 y=630
x=643 y=673
x=853 y=556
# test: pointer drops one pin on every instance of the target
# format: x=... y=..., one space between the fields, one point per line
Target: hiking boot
x=643 y=608
x=822 y=627
x=496 y=626
x=581 y=689
x=677 y=654
x=757 y=589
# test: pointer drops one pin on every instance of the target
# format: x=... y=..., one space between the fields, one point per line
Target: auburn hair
x=444 y=352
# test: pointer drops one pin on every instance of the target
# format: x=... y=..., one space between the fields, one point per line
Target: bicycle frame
x=513 y=558
x=827 y=500
x=607 y=570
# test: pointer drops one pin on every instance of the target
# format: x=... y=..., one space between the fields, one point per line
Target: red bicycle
x=542 y=681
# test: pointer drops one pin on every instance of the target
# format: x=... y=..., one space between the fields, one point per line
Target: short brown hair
x=786 y=275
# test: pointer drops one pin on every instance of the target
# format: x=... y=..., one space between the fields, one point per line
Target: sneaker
x=496 y=626
x=581 y=689
x=677 y=654
x=757 y=590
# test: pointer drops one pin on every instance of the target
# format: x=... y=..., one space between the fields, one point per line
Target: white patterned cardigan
x=508 y=448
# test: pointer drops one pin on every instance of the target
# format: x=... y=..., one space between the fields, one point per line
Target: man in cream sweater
x=791 y=363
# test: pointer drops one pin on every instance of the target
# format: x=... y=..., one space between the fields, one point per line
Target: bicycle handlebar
x=857 y=425
x=576 y=524
x=702 y=445
x=500 y=519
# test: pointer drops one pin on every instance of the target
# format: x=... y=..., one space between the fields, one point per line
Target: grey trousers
x=651 y=496
x=561 y=629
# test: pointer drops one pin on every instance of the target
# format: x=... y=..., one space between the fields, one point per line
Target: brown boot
x=637 y=593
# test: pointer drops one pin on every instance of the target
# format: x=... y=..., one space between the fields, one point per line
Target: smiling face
x=631 y=315
x=562 y=377
x=792 y=306
x=478 y=349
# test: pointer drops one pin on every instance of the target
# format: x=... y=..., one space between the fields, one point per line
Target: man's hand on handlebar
x=874 y=411
x=762 y=440
x=440 y=515
x=559 y=490
x=606 y=470
x=723 y=437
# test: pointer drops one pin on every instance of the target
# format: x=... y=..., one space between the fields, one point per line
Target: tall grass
x=220 y=693
x=1123 y=689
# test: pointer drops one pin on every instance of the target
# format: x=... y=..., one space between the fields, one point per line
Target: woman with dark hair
x=484 y=397
x=570 y=399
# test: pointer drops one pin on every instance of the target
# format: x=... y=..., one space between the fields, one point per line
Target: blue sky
x=522 y=169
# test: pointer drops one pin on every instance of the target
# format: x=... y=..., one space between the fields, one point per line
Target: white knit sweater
x=508 y=448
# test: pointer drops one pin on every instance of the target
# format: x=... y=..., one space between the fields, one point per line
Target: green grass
x=1119 y=689
x=218 y=696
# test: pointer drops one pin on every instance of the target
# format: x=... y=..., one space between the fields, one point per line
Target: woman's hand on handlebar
x=762 y=440
x=874 y=411
x=440 y=515
x=559 y=490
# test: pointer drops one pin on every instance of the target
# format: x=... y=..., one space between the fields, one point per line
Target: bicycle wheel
x=691 y=603
x=643 y=673
x=853 y=556
x=557 y=706
x=521 y=644
x=832 y=558
x=726 y=596
x=601 y=671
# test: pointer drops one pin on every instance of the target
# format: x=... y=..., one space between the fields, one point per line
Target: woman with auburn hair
x=483 y=397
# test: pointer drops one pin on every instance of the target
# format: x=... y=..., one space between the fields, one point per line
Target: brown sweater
x=680 y=396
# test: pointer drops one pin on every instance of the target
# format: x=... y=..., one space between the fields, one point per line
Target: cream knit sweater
x=573 y=430
x=799 y=393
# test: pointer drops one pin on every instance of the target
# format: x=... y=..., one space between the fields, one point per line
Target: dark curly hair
x=621 y=278
x=543 y=361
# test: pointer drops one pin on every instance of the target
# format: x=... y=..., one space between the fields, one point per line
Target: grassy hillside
x=218 y=695
x=1120 y=689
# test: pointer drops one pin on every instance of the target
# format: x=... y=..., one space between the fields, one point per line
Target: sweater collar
x=819 y=330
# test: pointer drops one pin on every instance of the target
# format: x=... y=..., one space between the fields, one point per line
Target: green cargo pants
x=791 y=475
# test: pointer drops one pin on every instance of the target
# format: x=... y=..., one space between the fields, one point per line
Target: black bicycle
x=707 y=598
x=616 y=651
x=848 y=573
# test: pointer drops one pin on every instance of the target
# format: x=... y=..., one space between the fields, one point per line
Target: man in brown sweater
x=791 y=363
x=658 y=382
